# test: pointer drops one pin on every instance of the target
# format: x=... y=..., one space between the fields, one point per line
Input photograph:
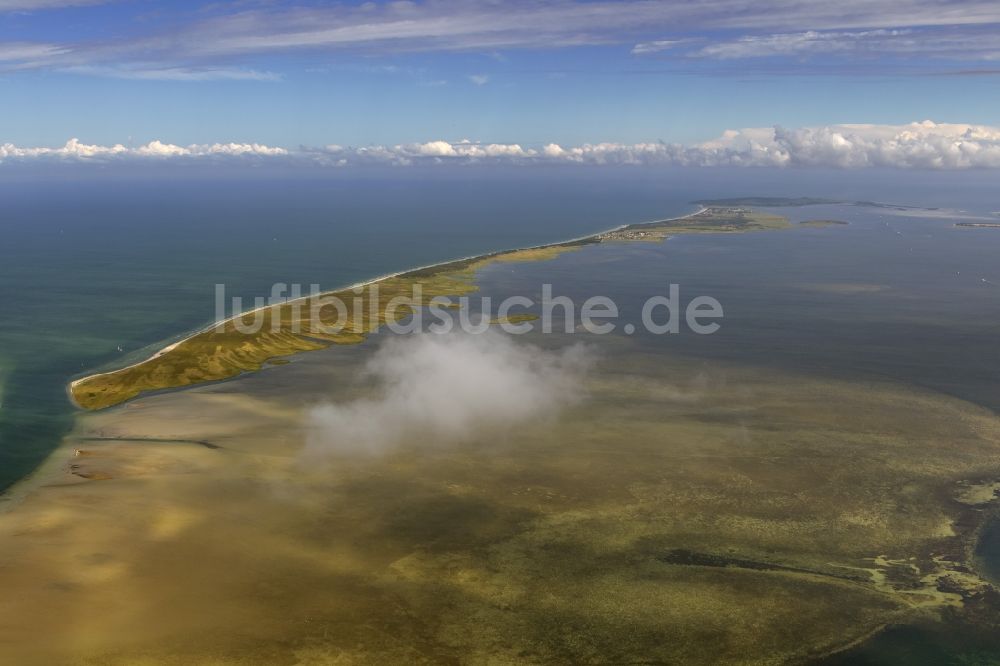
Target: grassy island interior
x=225 y=351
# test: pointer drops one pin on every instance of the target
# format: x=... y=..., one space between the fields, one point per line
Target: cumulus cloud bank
x=75 y=149
x=926 y=145
x=445 y=388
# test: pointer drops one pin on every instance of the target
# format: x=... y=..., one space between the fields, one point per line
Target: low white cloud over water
x=925 y=145
x=439 y=389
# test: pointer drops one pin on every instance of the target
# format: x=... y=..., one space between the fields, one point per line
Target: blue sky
x=552 y=71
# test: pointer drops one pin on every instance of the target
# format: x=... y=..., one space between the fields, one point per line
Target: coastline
x=12 y=496
x=366 y=283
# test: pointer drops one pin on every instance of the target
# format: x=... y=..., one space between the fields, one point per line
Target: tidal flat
x=768 y=494
x=186 y=526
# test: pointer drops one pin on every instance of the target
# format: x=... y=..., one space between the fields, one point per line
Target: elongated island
x=222 y=350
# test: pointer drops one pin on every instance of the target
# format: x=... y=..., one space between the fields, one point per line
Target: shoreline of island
x=978 y=225
x=595 y=236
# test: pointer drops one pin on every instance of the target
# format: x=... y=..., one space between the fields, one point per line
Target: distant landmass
x=786 y=202
x=768 y=202
x=876 y=204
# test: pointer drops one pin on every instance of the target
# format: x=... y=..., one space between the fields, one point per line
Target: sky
x=735 y=82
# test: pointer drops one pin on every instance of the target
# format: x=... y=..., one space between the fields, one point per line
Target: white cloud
x=29 y=5
x=142 y=72
x=160 y=149
x=238 y=149
x=465 y=149
x=553 y=150
x=433 y=149
x=656 y=46
x=486 y=24
x=915 y=145
x=206 y=46
x=919 y=145
x=28 y=51
x=74 y=149
x=797 y=43
x=953 y=44
x=479 y=79
x=440 y=389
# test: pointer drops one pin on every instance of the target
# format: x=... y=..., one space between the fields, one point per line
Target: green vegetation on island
x=227 y=350
x=713 y=219
x=767 y=202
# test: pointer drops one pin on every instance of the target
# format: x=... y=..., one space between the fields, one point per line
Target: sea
x=99 y=269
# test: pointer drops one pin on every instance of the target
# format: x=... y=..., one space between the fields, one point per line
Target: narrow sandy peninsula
x=221 y=352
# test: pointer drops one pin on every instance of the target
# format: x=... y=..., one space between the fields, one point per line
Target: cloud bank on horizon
x=918 y=145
